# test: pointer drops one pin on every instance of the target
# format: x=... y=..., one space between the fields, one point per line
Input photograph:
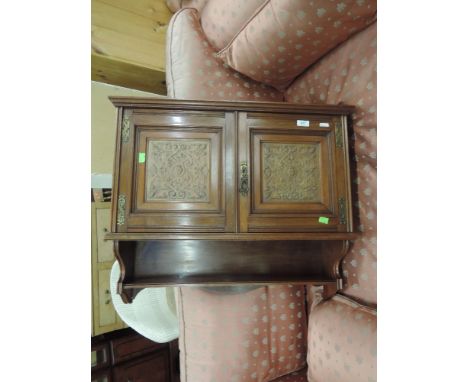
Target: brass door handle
x=244 y=179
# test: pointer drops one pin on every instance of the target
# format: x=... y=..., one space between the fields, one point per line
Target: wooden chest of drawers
x=124 y=355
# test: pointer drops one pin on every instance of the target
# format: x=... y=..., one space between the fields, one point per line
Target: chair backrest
x=152 y=313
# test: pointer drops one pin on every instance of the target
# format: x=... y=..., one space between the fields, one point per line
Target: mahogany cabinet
x=229 y=192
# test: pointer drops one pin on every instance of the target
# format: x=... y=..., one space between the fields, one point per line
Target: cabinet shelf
x=156 y=263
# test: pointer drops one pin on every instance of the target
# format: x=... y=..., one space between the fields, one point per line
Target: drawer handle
x=244 y=179
x=109 y=300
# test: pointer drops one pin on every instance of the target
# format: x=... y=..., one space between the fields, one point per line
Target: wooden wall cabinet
x=229 y=192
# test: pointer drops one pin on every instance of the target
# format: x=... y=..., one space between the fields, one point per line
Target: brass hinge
x=338 y=133
x=125 y=127
x=121 y=210
x=342 y=210
x=244 y=179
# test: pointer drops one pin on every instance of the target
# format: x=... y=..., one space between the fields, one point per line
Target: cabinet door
x=295 y=168
x=177 y=172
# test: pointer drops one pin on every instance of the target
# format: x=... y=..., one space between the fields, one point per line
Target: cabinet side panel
x=115 y=174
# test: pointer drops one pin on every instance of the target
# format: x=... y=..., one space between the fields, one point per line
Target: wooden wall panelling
x=128 y=40
x=127 y=74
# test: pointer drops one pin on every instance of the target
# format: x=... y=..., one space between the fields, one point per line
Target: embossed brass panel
x=244 y=180
x=125 y=127
x=121 y=210
x=338 y=133
x=291 y=172
x=178 y=170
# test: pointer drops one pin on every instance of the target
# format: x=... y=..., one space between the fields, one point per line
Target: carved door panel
x=183 y=173
x=291 y=163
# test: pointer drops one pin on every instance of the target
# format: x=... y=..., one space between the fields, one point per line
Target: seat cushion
x=255 y=336
x=342 y=339
x=193 y=71
x=284 y=37
x=348 y=74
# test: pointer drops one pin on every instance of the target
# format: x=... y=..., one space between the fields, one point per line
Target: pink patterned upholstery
x=284 y=37
x=349 y=75
x=256 y=336
x=222 y=19
x=194 y=72
x=342 y=338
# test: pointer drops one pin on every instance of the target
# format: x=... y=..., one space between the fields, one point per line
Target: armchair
x=255 y=51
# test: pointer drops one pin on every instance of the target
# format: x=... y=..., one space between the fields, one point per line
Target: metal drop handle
x=108 y=300
x=244 y=179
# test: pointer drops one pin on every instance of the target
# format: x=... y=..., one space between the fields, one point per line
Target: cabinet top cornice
x=282 y=107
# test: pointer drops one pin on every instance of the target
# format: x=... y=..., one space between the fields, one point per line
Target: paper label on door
x=141 y=157
x=302 y=123
x=323 y=220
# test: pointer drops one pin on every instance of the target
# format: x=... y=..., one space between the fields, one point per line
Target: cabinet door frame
x=136 y=214
x=256 y=216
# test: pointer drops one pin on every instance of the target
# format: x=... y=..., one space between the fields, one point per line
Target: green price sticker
x=323 y=220
x=141 y=157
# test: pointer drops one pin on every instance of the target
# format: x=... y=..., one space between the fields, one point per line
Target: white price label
x=303 y=123
x=324 y=124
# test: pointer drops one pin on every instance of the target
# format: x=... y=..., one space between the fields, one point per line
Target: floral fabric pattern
x=342 y=338
x=255 y=336
x=222 y=19
x=194 y=71
x=285 y=37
